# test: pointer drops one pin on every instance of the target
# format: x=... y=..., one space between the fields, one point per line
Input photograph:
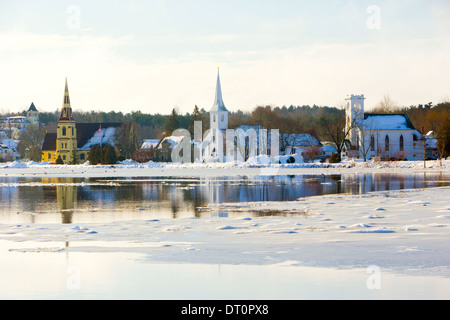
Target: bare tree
x=386 y=105
x=366 y=137
x=31 y=141
x=335 y=130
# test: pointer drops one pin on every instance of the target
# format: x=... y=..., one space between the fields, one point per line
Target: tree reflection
x=182 y=197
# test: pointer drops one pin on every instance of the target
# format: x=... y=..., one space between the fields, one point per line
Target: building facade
x=66 y=132
x=72 y=141
x=380 y=136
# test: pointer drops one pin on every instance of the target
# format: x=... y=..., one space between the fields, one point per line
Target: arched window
x=386 y=143
x=64 y=131
x=401 y=143
x=222 y=118
x=372 y=143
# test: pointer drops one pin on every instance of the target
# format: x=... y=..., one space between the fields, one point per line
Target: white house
x=386 y=136
x=299 y=142
x=8 y=153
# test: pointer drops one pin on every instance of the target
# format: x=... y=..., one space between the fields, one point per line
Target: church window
x=401 y=143
x=386 y=143
x=372 y=143
x=64 y=131
x=222 y=118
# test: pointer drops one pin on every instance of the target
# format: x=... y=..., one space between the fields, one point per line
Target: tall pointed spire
x=218 y=101
x=66 y=111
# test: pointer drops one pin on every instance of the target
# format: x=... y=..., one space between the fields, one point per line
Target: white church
x=248 y=141
x=380 y=136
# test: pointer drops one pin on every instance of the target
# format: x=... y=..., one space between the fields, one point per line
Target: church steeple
x=218 y=101
x=66 y=133
x=218 y=113
x=66 y=111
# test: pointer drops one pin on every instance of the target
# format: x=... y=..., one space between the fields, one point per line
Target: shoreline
x=154 y=169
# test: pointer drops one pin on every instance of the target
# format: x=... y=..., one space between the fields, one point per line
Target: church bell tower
x=66 y=141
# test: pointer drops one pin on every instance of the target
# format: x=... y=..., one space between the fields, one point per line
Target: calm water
x=69 y=200
x=120 y=276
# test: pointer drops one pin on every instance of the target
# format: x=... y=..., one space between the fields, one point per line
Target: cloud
x=104 y=75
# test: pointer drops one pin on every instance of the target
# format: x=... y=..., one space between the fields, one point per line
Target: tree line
x=325 y=123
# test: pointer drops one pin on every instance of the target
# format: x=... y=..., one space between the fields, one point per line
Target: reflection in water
x=178 y=197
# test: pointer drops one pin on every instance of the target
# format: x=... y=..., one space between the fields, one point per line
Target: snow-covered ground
x=255 y=166
x=404 y=232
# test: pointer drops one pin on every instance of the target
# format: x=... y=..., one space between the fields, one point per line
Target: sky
x=156 y=55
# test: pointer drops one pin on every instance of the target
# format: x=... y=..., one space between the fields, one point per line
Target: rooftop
x=387 y=122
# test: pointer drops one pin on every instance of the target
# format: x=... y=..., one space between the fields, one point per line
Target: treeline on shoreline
x=292 y=119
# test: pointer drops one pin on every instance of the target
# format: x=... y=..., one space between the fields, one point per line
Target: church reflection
x=184 y=197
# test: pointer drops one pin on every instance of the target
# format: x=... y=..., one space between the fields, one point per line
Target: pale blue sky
x=156 y=55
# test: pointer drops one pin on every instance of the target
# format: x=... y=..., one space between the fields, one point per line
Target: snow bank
x=256 y=165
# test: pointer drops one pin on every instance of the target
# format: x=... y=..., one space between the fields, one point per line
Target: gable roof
x=150 y=143
x=387 y=122
x=85 y=133
x=301 y=140
x=172 y=141
x=49 y=142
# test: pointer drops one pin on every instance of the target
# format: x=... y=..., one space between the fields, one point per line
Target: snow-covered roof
x=7 y=147
x=301 y=140
x=15 y=119
x=105 y=136
x=245 y=127
x=150 y=143
x=432 y=143
x=9 y=142
x=328 y=148
x=387 y=122
x=172 y=140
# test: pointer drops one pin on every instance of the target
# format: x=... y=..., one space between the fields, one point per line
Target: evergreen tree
x=128 y=140
x=109 y=155
x=172 y=123
x=74 y=157
x=195 y=116
x=95 y=155
x=59 y=160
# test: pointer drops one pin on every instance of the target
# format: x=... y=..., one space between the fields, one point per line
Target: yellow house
x=49 y=148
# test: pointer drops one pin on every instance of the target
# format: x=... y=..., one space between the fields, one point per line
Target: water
x=117 y=274
x=77 y=275
x=69 y=200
